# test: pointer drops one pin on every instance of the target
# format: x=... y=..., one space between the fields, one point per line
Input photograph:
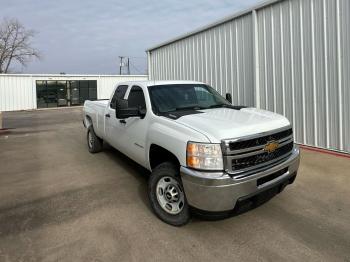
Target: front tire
x=95 y=143
x=166 y=194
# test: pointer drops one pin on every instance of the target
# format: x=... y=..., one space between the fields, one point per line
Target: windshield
x=170 y=98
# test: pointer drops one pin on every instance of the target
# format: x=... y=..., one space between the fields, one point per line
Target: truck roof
x=160 y=82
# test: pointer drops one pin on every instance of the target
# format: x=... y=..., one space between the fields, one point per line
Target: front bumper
x=218 y=192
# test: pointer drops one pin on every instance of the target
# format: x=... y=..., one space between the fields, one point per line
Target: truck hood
x=226 y=123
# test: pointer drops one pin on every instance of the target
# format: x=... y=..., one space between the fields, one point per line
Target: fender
x=173 y=137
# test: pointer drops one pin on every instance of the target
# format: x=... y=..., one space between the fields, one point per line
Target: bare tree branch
x=15 y=44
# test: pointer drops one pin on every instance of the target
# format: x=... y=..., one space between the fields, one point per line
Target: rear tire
x=95 y=143
x=166 y=195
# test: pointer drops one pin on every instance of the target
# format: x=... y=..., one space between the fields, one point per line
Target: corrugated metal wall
x=291 y=57
x=304 y=68
x=220 y=56
x=18 y=91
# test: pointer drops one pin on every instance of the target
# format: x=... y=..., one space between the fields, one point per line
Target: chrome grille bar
x=257 y=150
x=248 y=171
x=226 y=142
x=245 y=155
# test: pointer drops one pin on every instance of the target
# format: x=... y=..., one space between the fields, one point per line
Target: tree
x=15 y=44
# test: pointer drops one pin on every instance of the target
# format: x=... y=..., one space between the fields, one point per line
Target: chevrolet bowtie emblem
x=271 y=146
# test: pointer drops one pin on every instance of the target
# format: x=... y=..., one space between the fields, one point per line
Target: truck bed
x=96 y=111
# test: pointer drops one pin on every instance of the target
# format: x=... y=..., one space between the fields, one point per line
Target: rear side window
x=119 y=93
x=136 y=98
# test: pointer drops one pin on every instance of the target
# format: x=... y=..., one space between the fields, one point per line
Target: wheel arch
x=87 y=121
x=158 y=155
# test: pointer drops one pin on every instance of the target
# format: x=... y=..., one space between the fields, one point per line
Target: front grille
x=260 y=140
x=245 y=155
x=246 y=162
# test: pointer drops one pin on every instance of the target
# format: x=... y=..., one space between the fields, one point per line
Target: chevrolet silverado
x=204 y=154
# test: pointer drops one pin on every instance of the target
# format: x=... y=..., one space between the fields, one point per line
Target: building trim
x=70 y=75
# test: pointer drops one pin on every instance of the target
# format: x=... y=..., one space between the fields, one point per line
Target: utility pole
x=120 y=64
x=128 y=66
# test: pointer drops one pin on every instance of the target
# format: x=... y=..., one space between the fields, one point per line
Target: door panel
x=62 y=93
x=114 y=129
x=41 y=94
x=83 y=91
x=136 y=128
x=74 y=93
x=51 y=94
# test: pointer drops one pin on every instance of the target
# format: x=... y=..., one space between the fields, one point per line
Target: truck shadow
x=140 y=173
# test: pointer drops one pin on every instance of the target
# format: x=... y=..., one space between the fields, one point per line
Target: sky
x=87 y=36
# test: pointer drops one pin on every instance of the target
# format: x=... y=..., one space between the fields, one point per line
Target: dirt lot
x=60 y=203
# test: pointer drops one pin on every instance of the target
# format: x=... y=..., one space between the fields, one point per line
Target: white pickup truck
x=204 y=154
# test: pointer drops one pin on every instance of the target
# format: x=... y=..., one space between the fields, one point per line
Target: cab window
x=136 y=98
x=119 y=93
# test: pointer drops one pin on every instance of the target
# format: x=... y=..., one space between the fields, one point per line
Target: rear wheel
x=94 y=142
x=167 y=196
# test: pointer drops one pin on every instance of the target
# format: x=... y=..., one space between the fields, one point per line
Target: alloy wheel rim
x=170 y=195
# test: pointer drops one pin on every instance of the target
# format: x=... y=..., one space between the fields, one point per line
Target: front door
x=113 y=126
x=135 y=128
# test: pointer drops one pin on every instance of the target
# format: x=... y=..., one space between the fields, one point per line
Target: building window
x=52 y=93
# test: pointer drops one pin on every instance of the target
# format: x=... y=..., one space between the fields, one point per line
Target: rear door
x=113 y=127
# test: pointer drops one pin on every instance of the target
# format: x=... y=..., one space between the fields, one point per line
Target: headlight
x=204 y=156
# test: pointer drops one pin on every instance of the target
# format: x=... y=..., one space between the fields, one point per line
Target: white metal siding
x=105 y=84
x=18 y=91
x=291 y=57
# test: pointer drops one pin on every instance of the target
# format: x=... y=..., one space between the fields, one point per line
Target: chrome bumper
x=216 y=192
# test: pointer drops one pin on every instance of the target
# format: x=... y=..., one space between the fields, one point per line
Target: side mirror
x=122 y=110
x=142 y=112
x=121 y=104
x=229 y=97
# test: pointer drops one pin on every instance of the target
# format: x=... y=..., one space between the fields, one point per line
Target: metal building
x=24 y=91
x=287 y=56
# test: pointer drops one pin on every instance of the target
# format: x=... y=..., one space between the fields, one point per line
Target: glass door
x=51 y=94
x=62 y=93
x=74 y=92
x=41 y=94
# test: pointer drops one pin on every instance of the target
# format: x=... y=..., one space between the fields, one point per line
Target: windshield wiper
x=189 y=107
x=220 y=105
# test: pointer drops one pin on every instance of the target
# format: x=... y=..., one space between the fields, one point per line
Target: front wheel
x=167 y=196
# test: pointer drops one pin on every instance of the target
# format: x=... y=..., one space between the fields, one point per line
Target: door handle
x=122 y=121
x=107 y=115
